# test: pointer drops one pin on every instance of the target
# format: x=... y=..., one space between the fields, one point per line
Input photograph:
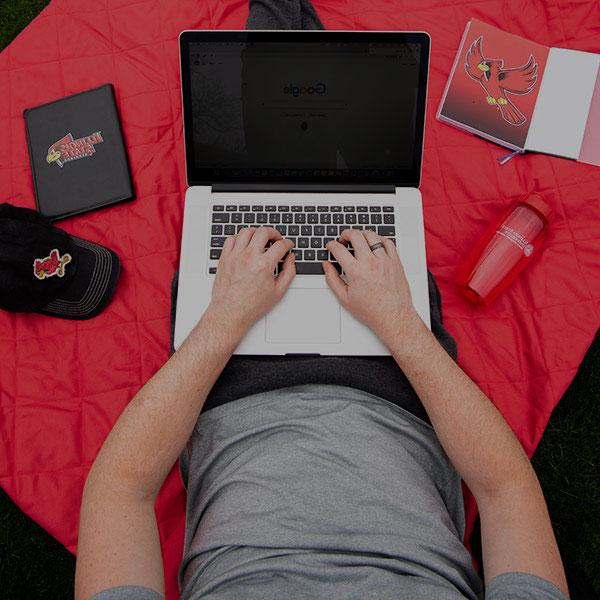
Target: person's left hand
x=375 y=289
x=245 y=287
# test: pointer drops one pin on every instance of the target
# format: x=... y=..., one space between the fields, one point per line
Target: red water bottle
x=507 y=247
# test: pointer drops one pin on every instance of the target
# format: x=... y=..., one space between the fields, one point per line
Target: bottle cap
x=538 y=203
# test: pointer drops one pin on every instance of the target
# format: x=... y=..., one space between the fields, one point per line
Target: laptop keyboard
x=309 y=227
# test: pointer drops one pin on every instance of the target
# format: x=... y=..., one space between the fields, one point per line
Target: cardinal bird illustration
x=497 y=81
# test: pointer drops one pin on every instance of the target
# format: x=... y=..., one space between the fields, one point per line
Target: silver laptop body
x=308 y=132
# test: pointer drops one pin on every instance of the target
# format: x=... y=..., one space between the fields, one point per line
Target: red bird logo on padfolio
x=68 y=149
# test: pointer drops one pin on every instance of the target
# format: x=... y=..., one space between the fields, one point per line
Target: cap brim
x=94 y=284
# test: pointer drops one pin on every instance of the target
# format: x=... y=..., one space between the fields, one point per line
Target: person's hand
x=374 y=289
x=245 y=287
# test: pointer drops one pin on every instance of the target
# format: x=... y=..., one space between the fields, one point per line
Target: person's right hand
x=374 y=289
x=245 y=288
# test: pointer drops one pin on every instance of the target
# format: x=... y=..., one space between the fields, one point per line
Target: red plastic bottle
x=505 y=250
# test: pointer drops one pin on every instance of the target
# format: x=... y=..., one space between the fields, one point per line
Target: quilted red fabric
x=63 y=384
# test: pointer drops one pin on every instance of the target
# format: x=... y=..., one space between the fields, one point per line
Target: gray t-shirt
x=324 y=492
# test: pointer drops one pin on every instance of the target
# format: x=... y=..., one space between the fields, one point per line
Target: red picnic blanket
x=64 y=383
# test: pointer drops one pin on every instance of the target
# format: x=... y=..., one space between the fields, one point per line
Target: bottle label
x=516 y=238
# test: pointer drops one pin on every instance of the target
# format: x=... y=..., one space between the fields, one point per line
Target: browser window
x=323 y=107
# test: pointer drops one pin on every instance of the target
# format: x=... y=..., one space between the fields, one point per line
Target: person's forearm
x=516 y=530
x=155 y=426
x=118 y=541
x=473 y=433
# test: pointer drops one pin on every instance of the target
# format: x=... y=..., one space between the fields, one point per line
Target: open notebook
x=523 y=95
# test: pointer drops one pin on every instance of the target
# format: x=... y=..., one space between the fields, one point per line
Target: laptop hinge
x=345 y=188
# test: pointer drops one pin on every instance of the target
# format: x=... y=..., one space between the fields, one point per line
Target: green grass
x=15 y=15
x=34 y=566
x=567 y=462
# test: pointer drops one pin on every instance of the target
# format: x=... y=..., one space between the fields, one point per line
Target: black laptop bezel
x=210 y=176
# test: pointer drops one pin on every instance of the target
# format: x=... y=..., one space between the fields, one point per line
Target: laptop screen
x=300 y=107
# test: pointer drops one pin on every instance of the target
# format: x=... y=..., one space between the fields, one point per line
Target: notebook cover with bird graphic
x=494 y=85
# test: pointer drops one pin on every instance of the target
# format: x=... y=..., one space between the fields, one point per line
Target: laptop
x=309 y=132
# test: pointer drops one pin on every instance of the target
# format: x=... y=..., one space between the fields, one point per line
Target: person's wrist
x=405 y=334
x=230 y=328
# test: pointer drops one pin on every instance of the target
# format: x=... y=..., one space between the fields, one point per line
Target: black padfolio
x=77 y=154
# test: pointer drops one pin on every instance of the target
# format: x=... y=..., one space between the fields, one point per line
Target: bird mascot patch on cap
x=54 y=264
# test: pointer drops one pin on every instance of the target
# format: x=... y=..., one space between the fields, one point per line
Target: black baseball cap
x=43 y=269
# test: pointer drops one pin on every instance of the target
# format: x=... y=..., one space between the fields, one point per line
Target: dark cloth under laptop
x=247 y=375
x=282 y=14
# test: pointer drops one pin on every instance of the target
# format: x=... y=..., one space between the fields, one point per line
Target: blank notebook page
x=559 y=121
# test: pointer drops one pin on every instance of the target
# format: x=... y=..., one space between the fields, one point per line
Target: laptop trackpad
x=305 y=316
